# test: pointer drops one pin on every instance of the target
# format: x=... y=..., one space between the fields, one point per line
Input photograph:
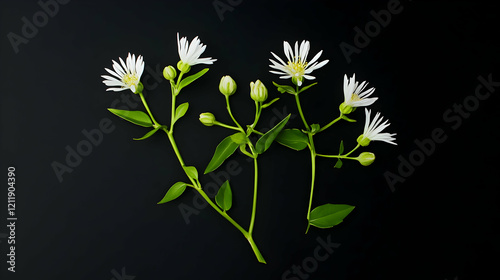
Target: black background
x=437 y=224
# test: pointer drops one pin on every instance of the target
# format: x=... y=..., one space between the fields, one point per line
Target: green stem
x=331 y=123
x=313 y=177
x=301 y=113
x=258 y=110
x=335 y=156
x=231 y=114
x=357 y=146
x=226 y=126
x=172 y=115
x=255 y=184
x=147 y=109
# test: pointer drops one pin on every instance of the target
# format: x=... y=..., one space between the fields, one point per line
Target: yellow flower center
x=130 y=79
x=355 y=97
x=297 y=68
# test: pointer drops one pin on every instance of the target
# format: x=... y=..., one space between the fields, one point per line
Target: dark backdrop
x=101 y=221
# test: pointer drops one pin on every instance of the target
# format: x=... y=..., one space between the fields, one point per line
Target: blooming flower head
x=297 y=68
x=373 y=129
x=354 y=96
x=190 y=53
x=126 y=76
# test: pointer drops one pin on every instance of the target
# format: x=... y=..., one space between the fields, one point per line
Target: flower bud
x=366 y=158
x=169 y=72
x=363 y=141
x=139 y=88
x=227 y=86
x=258 y=91
x=183 y=67
x=207 y=119
x=346 y=109
x=297 y=81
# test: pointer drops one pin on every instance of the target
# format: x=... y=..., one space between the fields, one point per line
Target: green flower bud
x=207 y=119
x=366 y=158
x=363 y=141
x=258 y=91
x=183 y=67
x=169 y=72
x=227 y=86
x=346 y=109
x=297 y=81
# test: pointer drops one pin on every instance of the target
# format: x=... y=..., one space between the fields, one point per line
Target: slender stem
x=335 y=156
x=226 y=126
x=352 y=150
x=172 y=115
x=255 y=184
x=231 y=114
x=258 y=110
x=256 y=251
x=147 y=109
x=301 y=113
x=313 y=177
x=331 y=123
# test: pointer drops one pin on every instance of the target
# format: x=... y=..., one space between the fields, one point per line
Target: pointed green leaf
x=149 y=134
x=224 y=197
x=189 y=79
x=226 y=148
x=135 y=117
x=181 y=111
x=239 y=138
x=347 y=119
x=270 y=102
x=191 y=172
x=267 y=139
x=284 y=88
x=329 y=215
x=306 y=87
x=293 y=138
x=174 y=192
x=341 y=149
x=338 y=164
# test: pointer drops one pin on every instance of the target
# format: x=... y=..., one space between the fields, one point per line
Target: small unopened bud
x=138 y=89
x=346 y=109
x=363 y=140
x=183 y=67
x=169 y=72
x=366 y=158
x=258 y=91
x=227 y=86
x=207 y=119
x=297 y=80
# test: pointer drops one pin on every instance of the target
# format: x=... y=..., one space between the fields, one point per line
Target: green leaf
x=329 y=215
x=293 y=138
x=135 y=117
x=149 y=134
x=224 y=197
x=226 y=148
x=269 y=103
x=239 y=138
x=306 y=87
x=347 y=119
x=338 y=164
x=189 y=79
x=181 y=111
x=284 y=88
x=341 y=149
x=267 y=139
x=174 y=192
x=191 y=172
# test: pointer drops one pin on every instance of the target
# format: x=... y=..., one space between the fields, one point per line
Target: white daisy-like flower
x=373 y=129
x=190 y=53
x=297 y=66
x=126 y=76
x=354 y=96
